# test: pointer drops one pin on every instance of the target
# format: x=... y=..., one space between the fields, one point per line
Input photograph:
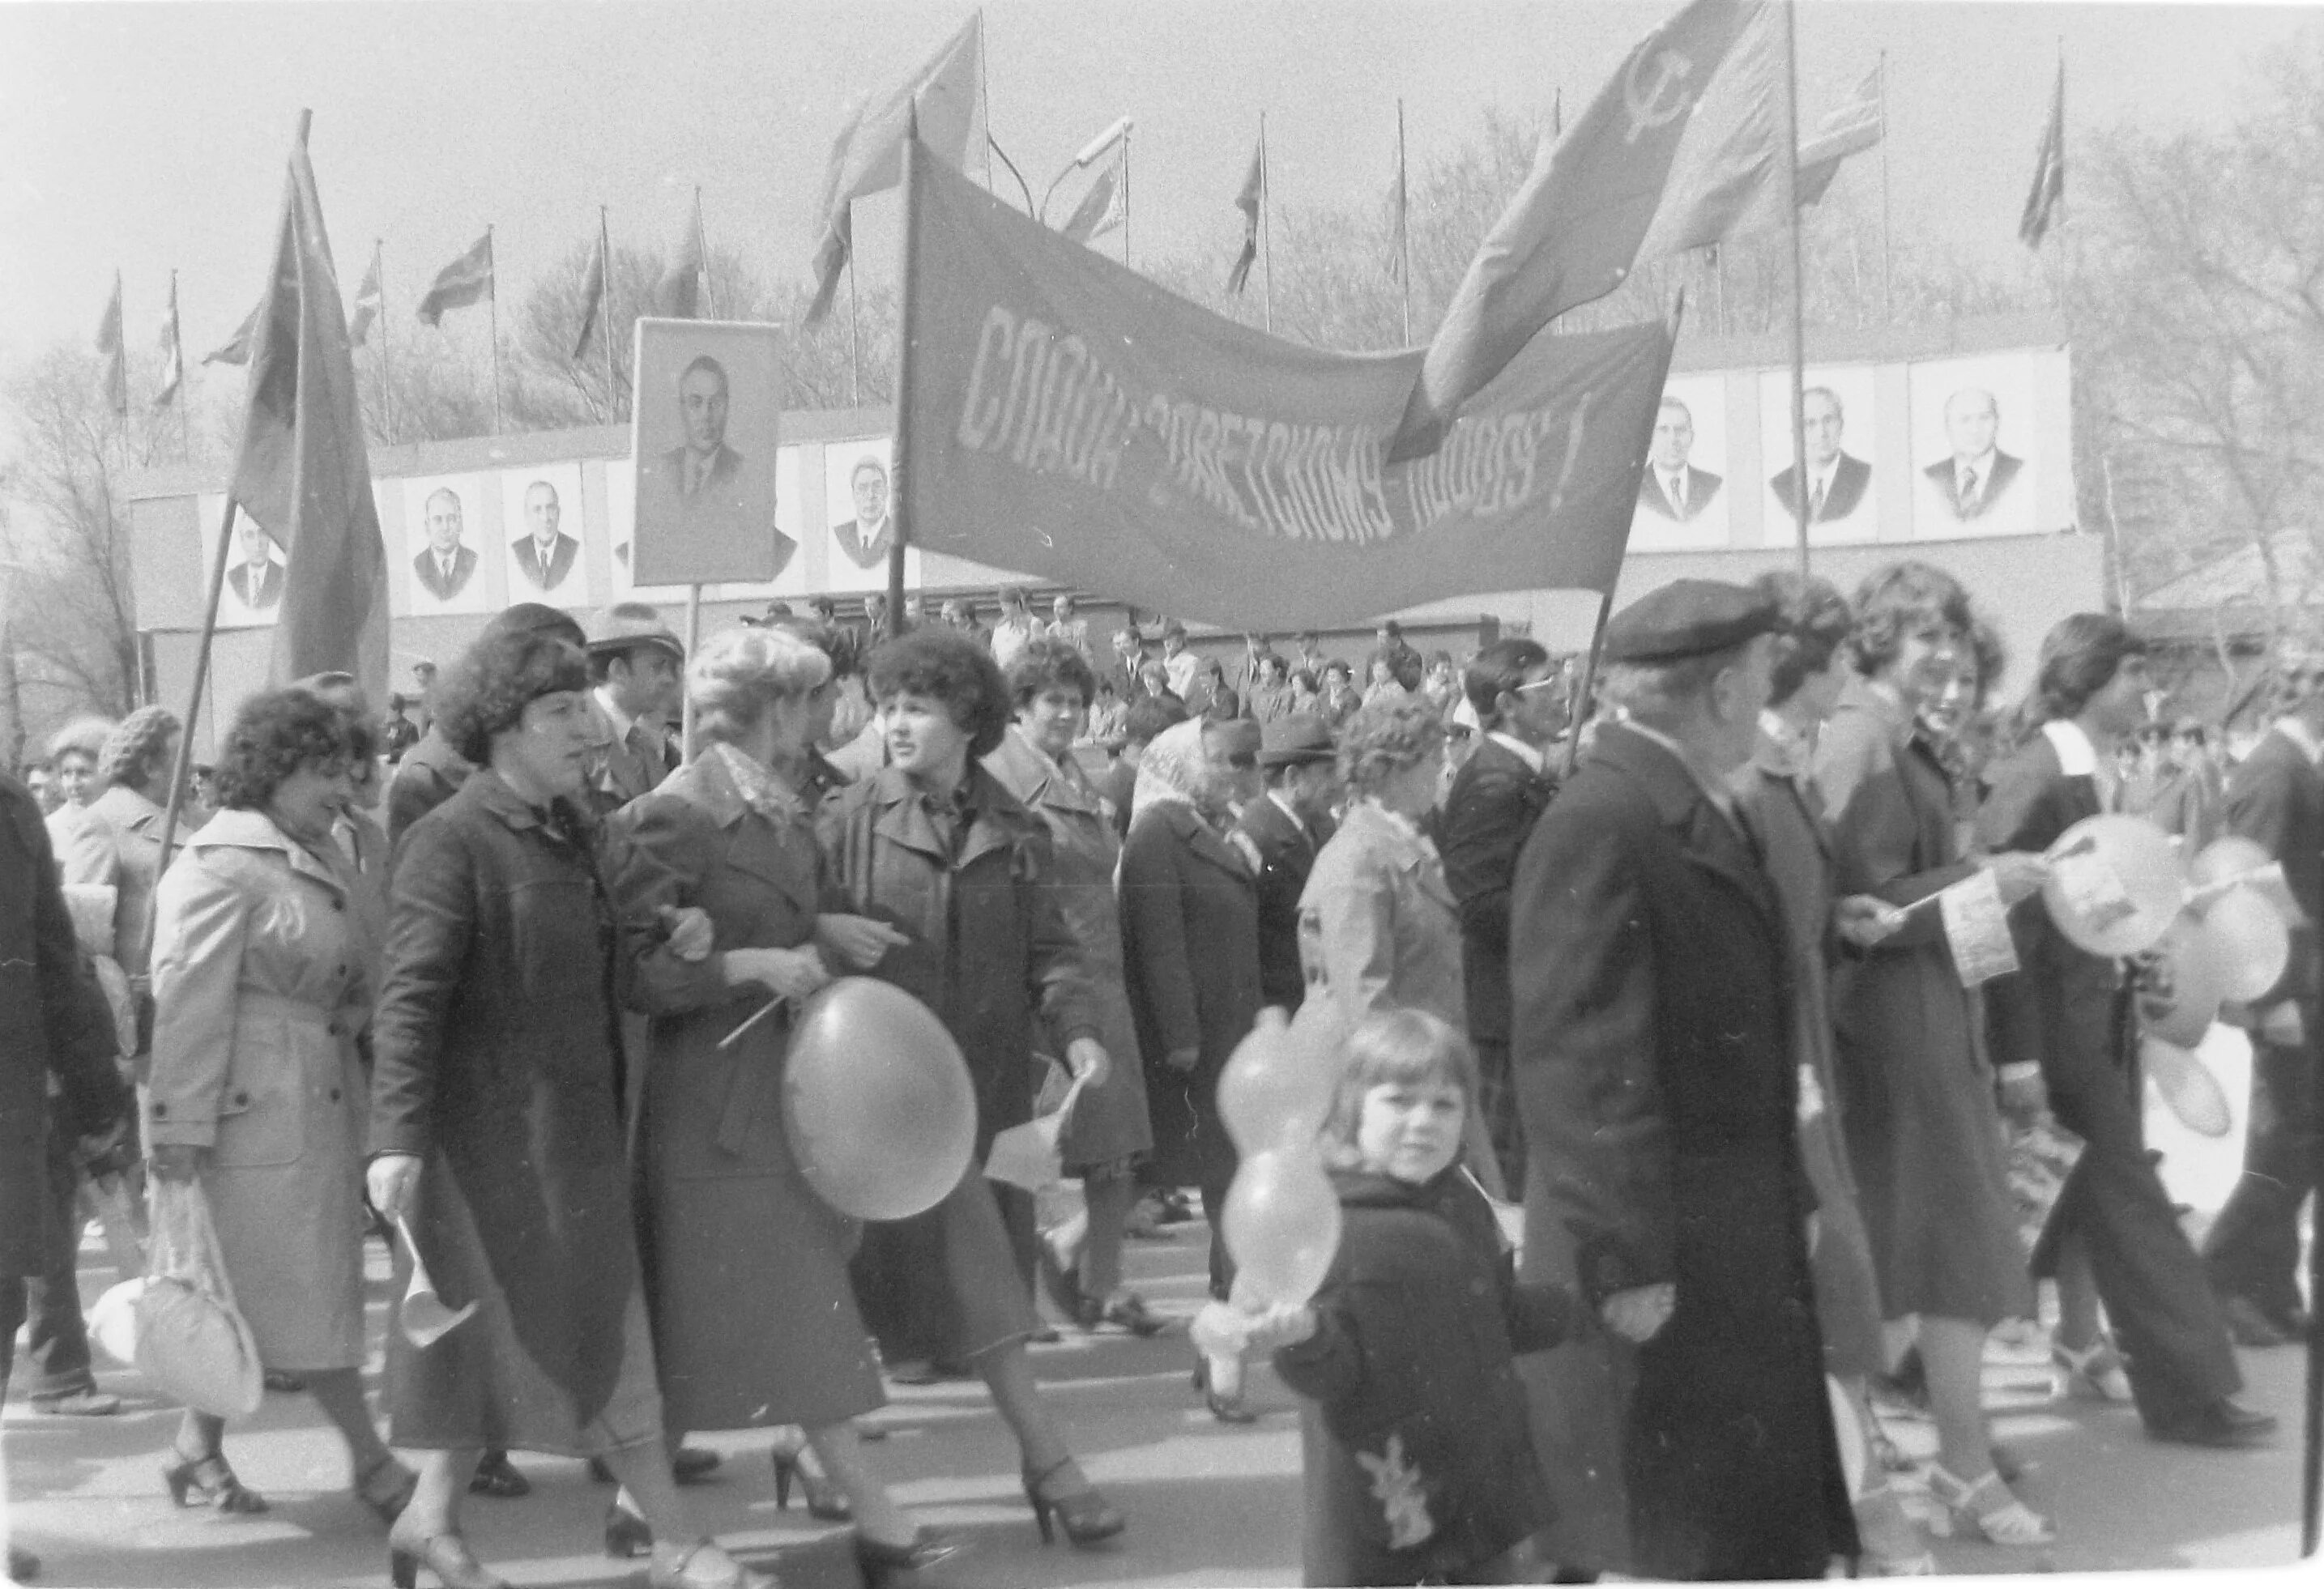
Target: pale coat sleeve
x=1347 y=931
x=198 y=940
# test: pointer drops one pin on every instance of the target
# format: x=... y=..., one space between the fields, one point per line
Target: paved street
x=1208 y=1504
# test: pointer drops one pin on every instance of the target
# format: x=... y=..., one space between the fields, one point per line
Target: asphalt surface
x=1208 y=1504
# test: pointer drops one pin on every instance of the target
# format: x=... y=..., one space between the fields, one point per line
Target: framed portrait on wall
x=1841 y=456
x=1974 y=453
x=1684 y=495
x=541 y=523
x=254 y=567
x=443 y=533
x=704 y=430
x=858 y=476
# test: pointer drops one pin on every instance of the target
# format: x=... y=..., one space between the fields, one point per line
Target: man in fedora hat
x=637 y=667
x=1279 y=834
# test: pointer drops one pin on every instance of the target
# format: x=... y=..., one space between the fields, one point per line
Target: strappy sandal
x=1986 y=1509
x=2094 y=1373
x=1881 y=1522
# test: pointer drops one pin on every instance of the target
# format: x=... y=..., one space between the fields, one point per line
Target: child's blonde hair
x=1391 y=1049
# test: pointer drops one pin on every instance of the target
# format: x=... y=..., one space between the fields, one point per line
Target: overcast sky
x=149 y=137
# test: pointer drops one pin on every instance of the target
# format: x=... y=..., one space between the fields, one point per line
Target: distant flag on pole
x=2048 y=192
x=1849 y=128
x=114 y=374
x=1253 y=194
x=467 y=280
x=1399 y=217
x=303 y=474
x=678 y=294
x=1608 y=193
x=1100 y=210
x=173 y=350
x=235 y=349
x=869 y=156
x=367 y=303
x=593 y=297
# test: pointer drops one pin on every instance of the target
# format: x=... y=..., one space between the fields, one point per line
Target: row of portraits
x=1971 y=457
x=478 y=542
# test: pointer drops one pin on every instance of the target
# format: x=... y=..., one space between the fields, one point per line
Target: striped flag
x=114 y=374
x=367 y=303
x=1253 y=194
x=235 y=349
x=2048 y=194
x=173 y=350
x=465 y=281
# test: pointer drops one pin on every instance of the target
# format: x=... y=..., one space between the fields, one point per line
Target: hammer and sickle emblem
x=1659 y=99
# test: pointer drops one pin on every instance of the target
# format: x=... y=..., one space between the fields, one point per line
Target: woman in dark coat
x=496 y=1123
x=755 y=1325
x=1190 y=948
x=1916 y=1088
x=935 y=847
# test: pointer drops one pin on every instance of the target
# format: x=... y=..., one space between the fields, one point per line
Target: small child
x=1419 y=1460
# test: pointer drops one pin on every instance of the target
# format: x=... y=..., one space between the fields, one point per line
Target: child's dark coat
x=1419 y=1460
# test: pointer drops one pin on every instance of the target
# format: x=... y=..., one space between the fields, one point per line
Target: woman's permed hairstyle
x=84 y=736
x=496 y=678
x=136 y=748
x=946 y=665
x=739 y=673
x=1812 y=623
x=1383 y=738
x=1900 y=600
x=1395 y=1048
x=276 y=733
x=1050 y=664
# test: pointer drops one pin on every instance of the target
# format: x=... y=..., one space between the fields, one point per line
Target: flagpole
x=985 y=98
x=1125 y=196
x=493 y=282
x=178 y=340
x=1402 y=227
x=905 y=487
x=1888 y=291
x=1788 y=168
x=605 y=315
x=855 y=341
x=702 y=247
x=1266 y=231
x=1589 y=682
x=386 y=366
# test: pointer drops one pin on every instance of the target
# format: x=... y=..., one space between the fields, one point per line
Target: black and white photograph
x=1069 y=794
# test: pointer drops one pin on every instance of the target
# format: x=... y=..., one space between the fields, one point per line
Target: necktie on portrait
x=1815 y=499
x=1969 y=487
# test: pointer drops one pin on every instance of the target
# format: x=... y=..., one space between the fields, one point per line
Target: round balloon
x=2114 y=886
x=2187 y=1084
x=2180 y=993
x=877 y=1101
x=2222 y=858
x=1282 y=1224
x=1273 y=1089
x=2249 y=940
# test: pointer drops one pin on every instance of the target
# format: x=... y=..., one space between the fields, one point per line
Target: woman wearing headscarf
x=1107 y=1129
x=934 y=846
x=264 y=977
x=755 y=1325
x=497 y=1122
x=1190 y=953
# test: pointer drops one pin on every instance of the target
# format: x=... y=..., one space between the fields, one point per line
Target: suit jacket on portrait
x=259 y=593
x=1847 y=485
x=1701 y=485
x=547 y=576
x=725 y=464
x=1942 y=475
x=865 y=551
x=464 y=566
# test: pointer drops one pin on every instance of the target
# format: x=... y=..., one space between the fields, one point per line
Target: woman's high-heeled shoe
x=445 y=1555
x=386 y=1487
x=1986 y=1509
x=825 y=1499
x=879 y=1561
x=1084 y=1514
x=2094 y=1373
x=627 y=1535
x=211 y=1483
x=689 y=1570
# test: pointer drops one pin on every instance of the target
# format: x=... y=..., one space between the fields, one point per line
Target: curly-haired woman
x=496 y=1122
x=933 y=845
x=261 y=982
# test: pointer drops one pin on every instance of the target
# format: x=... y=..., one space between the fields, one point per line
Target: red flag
x=115 y=375
x=1574 y=228
x=303 y=473
x=2048 y=194
x=678 y=294
x=869 y=157
x=1253 y=194
x=367 y=303
x=465 y=281
x=173 y=350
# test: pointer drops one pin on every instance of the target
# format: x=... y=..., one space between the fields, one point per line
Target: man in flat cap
x=1279 y=834
x=1651 y=1047
x=637 y=667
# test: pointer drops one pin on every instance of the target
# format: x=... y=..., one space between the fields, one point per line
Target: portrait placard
x=702 y=439
x=1683 y=495
x=254 y=568
x=1842 y=455
x=1974 y=453
x=443 y=536
x=541 y=528
x=621 y=530
x=858 y=477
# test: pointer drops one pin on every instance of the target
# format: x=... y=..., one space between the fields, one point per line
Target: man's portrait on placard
x=443 y=539
x=789 y=522
x=1683 y=493
x=859 y=499
x=256 y=567
x=540 y=521
x=1841 y=504
x=707 y=410
x=1973 y=452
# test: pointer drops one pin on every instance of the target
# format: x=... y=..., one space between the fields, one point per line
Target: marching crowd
x=1673 y=994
